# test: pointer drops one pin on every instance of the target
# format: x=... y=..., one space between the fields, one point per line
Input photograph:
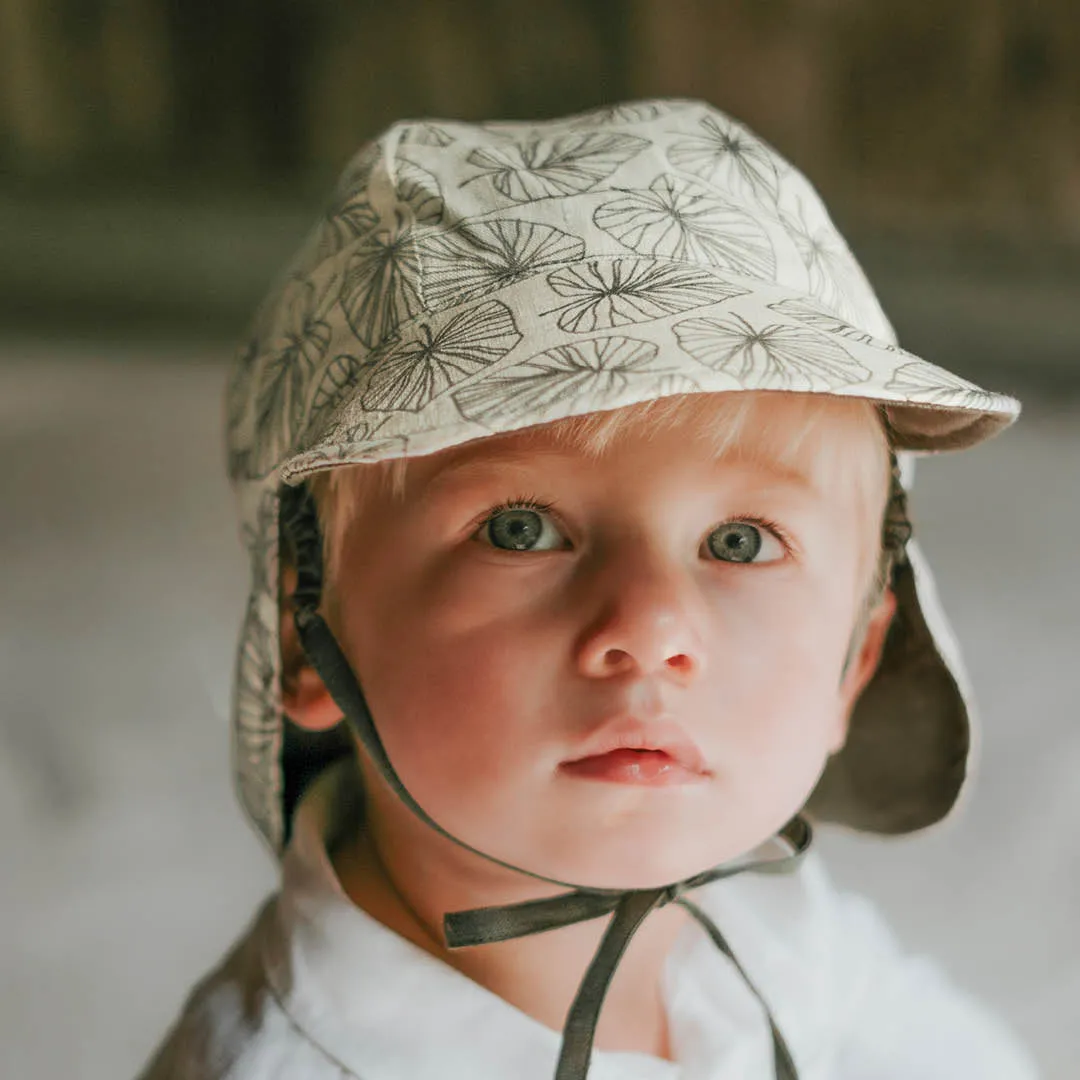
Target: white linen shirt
x=319 y=990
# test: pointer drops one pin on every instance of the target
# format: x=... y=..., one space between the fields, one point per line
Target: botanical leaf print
x=237 y=409
x=409 y=374
x=728 y=155
x=822 y=319
x=339 y=378
x=257 y=732
x=679 y=219
x=606 y=293
x=357 y=173
x=565 y=165
x=380 y=288
x=834 y=276
x=476 y=259
x=299 y=345
x=362 y=436
x=353 y=442
x=418 y=190
x=773 y=357
x=416 y=195
x=630 y=112
x=924 y=382
x=259 y=537
x=350 y=198
x=424 y=134
x=593 y=371
x=346 y=220
x=256 y=680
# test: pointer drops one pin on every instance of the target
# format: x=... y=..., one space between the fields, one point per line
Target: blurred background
x=160 y=160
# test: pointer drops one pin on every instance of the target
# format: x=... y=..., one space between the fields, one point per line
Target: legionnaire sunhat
x=474 y=279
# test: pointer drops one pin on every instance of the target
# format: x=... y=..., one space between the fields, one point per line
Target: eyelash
x=525 y=502
x=528 y=502
x=768 y=524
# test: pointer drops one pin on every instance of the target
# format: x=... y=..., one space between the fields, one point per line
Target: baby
x=572 y=459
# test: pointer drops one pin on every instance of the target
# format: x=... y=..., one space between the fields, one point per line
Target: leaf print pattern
x=630 y=112
x=341 y=374
x=356 y=175
x=345 y=220
x=425 y=134
x=925 y=382
x=566 y=165
x=419 y=191
x=380 y=288
x=257 y=730
x=822 y=319
x=348 y=443
x=773 y=357
x=728 y=155
x=476 y=259
x=259 y=537
x=256 y=679
x=238 y=407
x=417 y=198
x=344 y=372
x=605 y=293
x=834 y=276
x=410 y=374
x=678 y=219
x=280 y=404
x=593 y=371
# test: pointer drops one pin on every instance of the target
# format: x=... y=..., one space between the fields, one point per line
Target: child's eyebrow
x=478 y=467
x=782 y=472
x=470 y=469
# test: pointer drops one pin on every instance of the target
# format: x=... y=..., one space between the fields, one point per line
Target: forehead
x=803 y=438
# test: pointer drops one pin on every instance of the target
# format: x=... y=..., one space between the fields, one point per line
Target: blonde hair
x=715 y=421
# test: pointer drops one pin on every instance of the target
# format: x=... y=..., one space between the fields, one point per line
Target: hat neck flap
x=480 y=926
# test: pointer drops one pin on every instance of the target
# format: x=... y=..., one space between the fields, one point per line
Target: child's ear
x=864 y=663
x=306 y=700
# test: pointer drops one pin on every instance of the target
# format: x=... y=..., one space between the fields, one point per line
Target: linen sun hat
x=473 y=279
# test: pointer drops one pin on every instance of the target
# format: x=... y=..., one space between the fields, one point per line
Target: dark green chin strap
x=481 y=926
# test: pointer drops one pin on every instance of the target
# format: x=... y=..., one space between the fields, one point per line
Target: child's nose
x=646 y=618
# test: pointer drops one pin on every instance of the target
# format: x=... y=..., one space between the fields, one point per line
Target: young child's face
x=494 y=645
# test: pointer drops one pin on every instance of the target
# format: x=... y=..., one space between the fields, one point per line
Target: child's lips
x=654 y=768
x=629 y=749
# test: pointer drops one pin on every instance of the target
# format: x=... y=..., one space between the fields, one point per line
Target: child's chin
x=646 y=865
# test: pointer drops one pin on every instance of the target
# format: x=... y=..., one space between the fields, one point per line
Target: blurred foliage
x=970 y=107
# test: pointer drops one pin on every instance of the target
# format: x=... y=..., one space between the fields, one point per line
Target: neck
x=538 y=974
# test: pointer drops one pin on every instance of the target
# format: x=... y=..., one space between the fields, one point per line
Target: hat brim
x=521 y=359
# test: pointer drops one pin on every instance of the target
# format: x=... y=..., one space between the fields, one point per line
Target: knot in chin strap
x=484 y=926
x=480 y=926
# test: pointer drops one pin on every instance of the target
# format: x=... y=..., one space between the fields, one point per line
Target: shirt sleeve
x=900 y=1017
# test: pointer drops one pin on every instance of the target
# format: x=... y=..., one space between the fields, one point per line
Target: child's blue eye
x=743 y=542
x=522 y=529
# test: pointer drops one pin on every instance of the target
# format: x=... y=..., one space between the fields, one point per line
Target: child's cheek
x=456 y=700
x=480 y=590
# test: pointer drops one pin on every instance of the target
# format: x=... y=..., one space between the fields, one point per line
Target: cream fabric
x=319 y=990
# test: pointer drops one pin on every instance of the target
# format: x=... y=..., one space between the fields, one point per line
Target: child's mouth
x=649 y=767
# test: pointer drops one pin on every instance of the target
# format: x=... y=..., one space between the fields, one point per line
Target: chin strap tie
x=481 y=926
